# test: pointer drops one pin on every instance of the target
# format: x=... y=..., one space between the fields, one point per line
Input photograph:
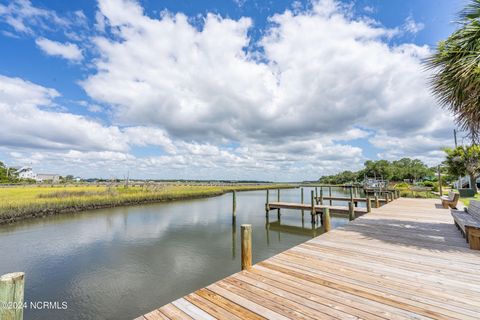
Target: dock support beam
x=313 y=206
x=303 y=213
x=326 y=219
x=321 y=195
x=369 y=204
x=316 y=194
x=234 y=205
x=246 y=230
x=330 y=194
x=351 y=211
x=267 y=205
x=12 y=286
x=377 y=201
x=278 y=199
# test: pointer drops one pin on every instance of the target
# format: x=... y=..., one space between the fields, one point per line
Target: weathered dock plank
x=404 y=260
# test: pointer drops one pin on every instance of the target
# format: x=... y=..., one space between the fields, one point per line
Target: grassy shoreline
x=20 y=203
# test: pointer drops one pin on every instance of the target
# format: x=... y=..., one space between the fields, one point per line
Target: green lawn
x=466 y=201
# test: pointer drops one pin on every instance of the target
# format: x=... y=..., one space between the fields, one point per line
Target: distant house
x=465 y=183
x=26 y=173
x=48 y=177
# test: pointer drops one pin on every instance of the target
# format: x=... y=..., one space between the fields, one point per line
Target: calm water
x=123 y=262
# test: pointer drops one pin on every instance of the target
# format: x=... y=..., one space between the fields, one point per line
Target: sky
x=219 y=89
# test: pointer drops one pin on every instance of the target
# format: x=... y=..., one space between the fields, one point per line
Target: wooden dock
x=347 y=199
x=318 y=207
x=404 y=260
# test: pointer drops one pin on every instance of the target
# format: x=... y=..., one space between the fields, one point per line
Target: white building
x=465 y=182
x=48 y=177
x=26 y=173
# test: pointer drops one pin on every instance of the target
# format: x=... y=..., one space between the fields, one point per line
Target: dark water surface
x=120 y=263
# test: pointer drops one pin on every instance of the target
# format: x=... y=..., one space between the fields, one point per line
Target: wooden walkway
x=405 y=260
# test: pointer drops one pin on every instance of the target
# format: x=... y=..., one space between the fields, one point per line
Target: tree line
x=398 y=170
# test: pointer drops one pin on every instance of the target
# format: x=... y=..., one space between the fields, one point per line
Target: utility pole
x=440 y=181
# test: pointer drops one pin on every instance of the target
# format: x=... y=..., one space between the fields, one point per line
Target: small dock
x=318 y=208
x=404 y=260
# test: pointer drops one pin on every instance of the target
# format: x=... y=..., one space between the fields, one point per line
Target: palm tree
x=464 y=161
x=456 y=71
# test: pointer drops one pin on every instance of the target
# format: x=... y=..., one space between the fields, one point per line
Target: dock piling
x=326 y=219
x=12 y=286
x=234 y=204
x=313 y=206
x=278 y=199
x=377 y=201
x=369 y=205
x=246 y=230
x=330 y=194
x=267 y=206
x=321 y=195
x=351 y=211
x=301 y=193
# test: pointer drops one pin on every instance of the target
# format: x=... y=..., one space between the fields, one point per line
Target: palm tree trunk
x=473 y=183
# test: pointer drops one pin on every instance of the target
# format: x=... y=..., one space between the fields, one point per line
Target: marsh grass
x=30 y=201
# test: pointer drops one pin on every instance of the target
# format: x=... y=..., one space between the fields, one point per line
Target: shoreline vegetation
x=27 y=202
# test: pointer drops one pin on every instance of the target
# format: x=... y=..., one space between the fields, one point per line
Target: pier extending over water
x=404 y=260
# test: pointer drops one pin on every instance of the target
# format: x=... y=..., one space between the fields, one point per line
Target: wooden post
x=234 y=204
x=377 y=202
x=246 y=230
x=12 y=286
x=330 y=194
x=278 y=200
x=351 y=211
x=386 y=197
x=326 y=219
x=313 y=206
x=316 y=194
x=351 y=195
x=369 y=205
x=440 y=189
x=303 y=213
x=321 y=195
x=267 y=205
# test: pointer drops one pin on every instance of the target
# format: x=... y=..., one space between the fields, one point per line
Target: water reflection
x=120 y=263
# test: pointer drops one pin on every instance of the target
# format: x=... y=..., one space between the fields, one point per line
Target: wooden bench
x=468 y=221
x=451 y=200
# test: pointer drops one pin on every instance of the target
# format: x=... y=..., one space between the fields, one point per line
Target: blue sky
x=284 y=90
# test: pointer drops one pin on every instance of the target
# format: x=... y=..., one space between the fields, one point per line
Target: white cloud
x=25 y=124
x=212 y=106
x=23 y=17
x=204 y=84
x=412 y=26
x=69 y=51
x=369 y=9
